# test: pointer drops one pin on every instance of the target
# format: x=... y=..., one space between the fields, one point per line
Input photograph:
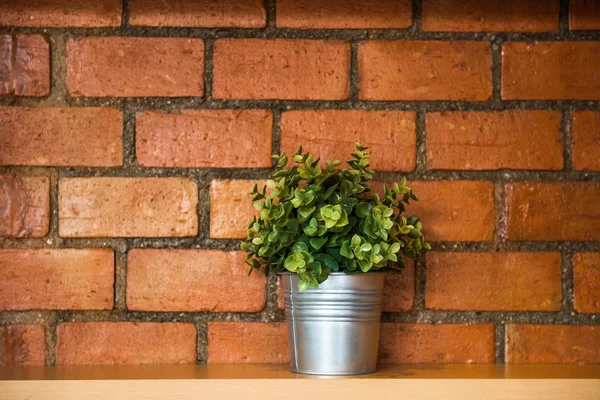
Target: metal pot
x=334 y=330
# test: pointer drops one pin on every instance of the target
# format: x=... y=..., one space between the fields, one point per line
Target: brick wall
x=131 y=132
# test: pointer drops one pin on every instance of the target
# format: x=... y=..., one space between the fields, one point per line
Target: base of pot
x=297 y=371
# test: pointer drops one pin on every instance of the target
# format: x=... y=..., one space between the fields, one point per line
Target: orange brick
x=135 y=67
x=204 y=139
x=344 y=14
x=57 y=279
x=193 y=280
x=446 y=344
x=127 y=207
x=584 y=14
x=24 y=206
x=586 y=271
x=552 y=211
x=231 y=208
x=331 y=134
x=100 y=343
x=286 y=69
x=552 y=344
x=494 y=281
x=78 y=136
x=247 y=342
x=22 y=345
x=399 y=289
x=550 y=71
x=487 y=140
x=24 y=65
x=586 y=140
x=425 y=70
x=61 y=13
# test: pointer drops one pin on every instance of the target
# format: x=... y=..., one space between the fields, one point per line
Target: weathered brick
x=552 y=211
x=331 y=134
x=586 y=271
x=24 y=206
x=204 y=139
x=490 y=16
x=584 y=15
x=60 y=135
x=199 y=13
x=24 y=65
x=399 y=289
x=61 y=13
x=586 y=140
x=552 y=344
x=247 y=342
x=22 y=345
x=425 y=70
x=135 y=67
x=56 y=279
x=192 y=280
x=550 y=71
x=286 y=69
x=487 y=140
x=447 y=344
x=231 y=208
x=85 y=343
x=494 y=281
x=344 y=14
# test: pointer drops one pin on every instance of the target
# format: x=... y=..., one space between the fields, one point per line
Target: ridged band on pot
x=334 y=330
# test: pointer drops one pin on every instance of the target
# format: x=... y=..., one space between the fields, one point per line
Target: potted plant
x=332 y=241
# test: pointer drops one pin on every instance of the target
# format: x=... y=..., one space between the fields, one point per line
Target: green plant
x=315 y=221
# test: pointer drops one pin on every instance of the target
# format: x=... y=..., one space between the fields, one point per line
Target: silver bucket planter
x=334 y=330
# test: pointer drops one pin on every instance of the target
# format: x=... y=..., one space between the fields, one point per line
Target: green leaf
x=299 y=246
x=306 y=211
x=362 y=209
x=328 y=261
x=317 y=242
x=302 y=286
x=345 y=250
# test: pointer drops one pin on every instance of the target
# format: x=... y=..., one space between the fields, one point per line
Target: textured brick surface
x=485 y=140
x=586 y=140
x=135 y=67
x=344 y=14
x=56 y=279
x=192 y=280
x=59 y=134
x=231 y=208
x=586 y=276
x=204 y=139
x=399 y=289
x=284 y=69
x=24 y=206
x=424 y=70
x=550 y=70
x=83 y=343
x=584 y=14
x=552 y=344
x=494 y=281
x=126 y=207
x=247 y=342
x=22 y=345
x=552 y=211
x=331 y=134
x=24 y=65
x=61 y=13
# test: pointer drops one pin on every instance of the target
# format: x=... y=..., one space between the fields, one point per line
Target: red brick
x=446 y=344
x=199 y=13
x=286 y=69
x=550 y=71
x=247 y=342
x=24 y=65
x=552 y=211
x=552 y=344
x=331 y=134
x=56 y=279
x=231 y=208
x=425 y=70
x=490 y=16
x=22 y=345
x=127 y=207
x=135 y=67
x=584 y=14
x=59 y=134
x=399 y=289
x=61 y=13
x=586 y=140
x=101 y=343
x=486 y=140
x=452 y=210
x=24 y=206
x=344 y=14
x=205 y=139
x=193 y=280
x=586 y=271
x=494 y=281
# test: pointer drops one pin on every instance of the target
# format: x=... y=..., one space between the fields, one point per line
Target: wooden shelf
x=230 y=382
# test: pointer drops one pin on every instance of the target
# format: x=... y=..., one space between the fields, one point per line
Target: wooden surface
x=421 y=382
